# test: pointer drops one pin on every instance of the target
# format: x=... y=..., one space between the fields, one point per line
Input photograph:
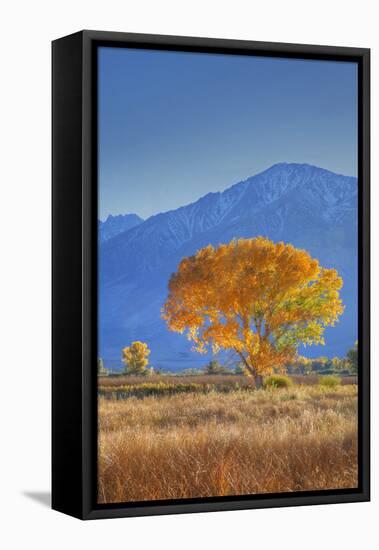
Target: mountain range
x=114 y=225
x=307 y=206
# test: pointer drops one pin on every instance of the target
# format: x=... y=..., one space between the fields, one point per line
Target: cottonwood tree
x=135 y=357
x=258 y=298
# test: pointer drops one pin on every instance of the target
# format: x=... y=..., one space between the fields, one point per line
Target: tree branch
x=249 y=368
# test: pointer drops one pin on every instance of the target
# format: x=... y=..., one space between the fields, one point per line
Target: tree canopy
x=258 y=298
x=352 y=358
x=135 y=358
x=214 y=367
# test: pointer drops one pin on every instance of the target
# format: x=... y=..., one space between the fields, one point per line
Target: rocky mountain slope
x=114 y=225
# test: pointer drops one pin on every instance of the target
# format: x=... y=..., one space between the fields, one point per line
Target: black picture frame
x=74 y=272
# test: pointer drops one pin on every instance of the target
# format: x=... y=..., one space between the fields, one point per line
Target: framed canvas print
x=210 y=275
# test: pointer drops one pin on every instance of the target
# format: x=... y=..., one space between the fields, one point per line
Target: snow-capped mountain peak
x=115 y=225
x=308 y=206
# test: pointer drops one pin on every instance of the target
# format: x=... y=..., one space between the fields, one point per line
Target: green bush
x=330 y=381
x=214 y=367
x=277 y=381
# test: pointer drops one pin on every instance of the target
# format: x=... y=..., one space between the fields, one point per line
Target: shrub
x=330 y=381
x=214 y=367
x=241 y=370
x=277 y=381
x=352 y=359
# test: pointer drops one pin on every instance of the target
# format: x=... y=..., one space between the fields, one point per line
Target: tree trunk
x=258 y=381
x=258 y=378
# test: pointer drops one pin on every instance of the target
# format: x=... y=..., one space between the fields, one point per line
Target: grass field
x=225 y=442
x=121 y=387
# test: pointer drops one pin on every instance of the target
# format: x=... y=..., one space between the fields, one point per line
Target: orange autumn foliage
x=256 y=297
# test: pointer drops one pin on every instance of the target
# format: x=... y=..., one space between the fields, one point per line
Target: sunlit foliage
x=135 y=358
x=258 y=298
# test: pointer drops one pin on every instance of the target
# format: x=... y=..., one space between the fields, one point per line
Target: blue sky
x=174 y=126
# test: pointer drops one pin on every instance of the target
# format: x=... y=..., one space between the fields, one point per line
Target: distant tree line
x=343 y=366
x=136 y=363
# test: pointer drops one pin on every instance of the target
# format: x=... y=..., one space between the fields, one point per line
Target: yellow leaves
x=256 y=297
x=135 y=357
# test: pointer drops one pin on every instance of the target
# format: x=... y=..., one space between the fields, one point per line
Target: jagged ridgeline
x=307 y=206
x=114 y=225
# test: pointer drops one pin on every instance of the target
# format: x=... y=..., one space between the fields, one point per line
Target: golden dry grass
x=205 y=379
x=216 y=444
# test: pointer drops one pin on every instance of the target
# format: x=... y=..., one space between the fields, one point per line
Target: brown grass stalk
x=217 y=444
